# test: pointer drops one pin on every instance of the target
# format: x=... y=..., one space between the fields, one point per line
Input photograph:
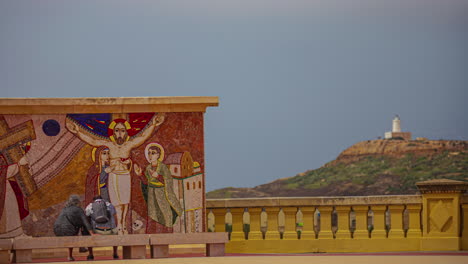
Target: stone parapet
x=433 y=221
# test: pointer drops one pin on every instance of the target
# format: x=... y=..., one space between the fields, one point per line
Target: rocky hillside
x=373 y=167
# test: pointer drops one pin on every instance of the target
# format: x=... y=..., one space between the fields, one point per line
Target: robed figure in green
x=158 y=190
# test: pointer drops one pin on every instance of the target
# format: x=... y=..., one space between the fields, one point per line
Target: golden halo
x=126 y=124
x=93 y=154
x=112 y=126
x=161 y=155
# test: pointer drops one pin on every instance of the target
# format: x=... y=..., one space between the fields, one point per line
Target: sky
x=298 y=81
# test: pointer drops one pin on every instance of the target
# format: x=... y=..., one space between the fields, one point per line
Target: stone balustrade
x=432 y=221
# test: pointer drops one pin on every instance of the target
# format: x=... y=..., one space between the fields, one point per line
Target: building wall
x=388 y=135
x=404 y=135
x=61 y=163
x=193 y=188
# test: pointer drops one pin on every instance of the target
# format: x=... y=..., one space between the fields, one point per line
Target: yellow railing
x=432 y=221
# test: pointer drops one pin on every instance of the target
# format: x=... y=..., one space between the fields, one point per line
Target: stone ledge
x=6 y=244
x=313 y=201
x=79 y=241
x=189 y=238
x=106 y=105
x=107 y=251
x=442 y=186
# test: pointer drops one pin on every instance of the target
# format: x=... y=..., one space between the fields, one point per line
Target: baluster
x=388 y=221
x=325 y=222
x=281 y=223
x=272 y=218
x=379 y=221
x=290 y=223
x=352 y=222
x=414 y=211
x=228 y=222
x=255 y=233
x=396 y=216
x=263 y=222
x=219 y=219
x=334 y=222
x=362 y=231
x=246 y=223
x=317 y=220
x=299 y=223
x=308 y=221
x=370 y=221
x=237 y=224
x=343 y=222
x=210 y=221
x=405 y=221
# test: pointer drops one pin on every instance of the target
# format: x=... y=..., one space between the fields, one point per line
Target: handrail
x=313 y=201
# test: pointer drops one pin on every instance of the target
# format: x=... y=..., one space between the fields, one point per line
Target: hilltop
x=373 y=167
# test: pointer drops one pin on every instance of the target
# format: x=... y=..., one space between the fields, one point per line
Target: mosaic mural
x=148 y=165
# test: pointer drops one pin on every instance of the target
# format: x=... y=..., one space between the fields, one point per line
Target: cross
x=11 y=141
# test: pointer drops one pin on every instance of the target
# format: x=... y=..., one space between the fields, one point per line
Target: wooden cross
x=11 y=141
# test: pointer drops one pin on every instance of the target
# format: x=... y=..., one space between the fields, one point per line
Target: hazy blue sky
x=298 y=81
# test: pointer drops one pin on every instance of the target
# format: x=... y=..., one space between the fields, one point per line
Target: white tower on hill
x=396 y=131
x=396 y=128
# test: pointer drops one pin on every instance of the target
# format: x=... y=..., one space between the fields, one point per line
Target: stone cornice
x=442 y=186
x=106 y=105
x=313 y=201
